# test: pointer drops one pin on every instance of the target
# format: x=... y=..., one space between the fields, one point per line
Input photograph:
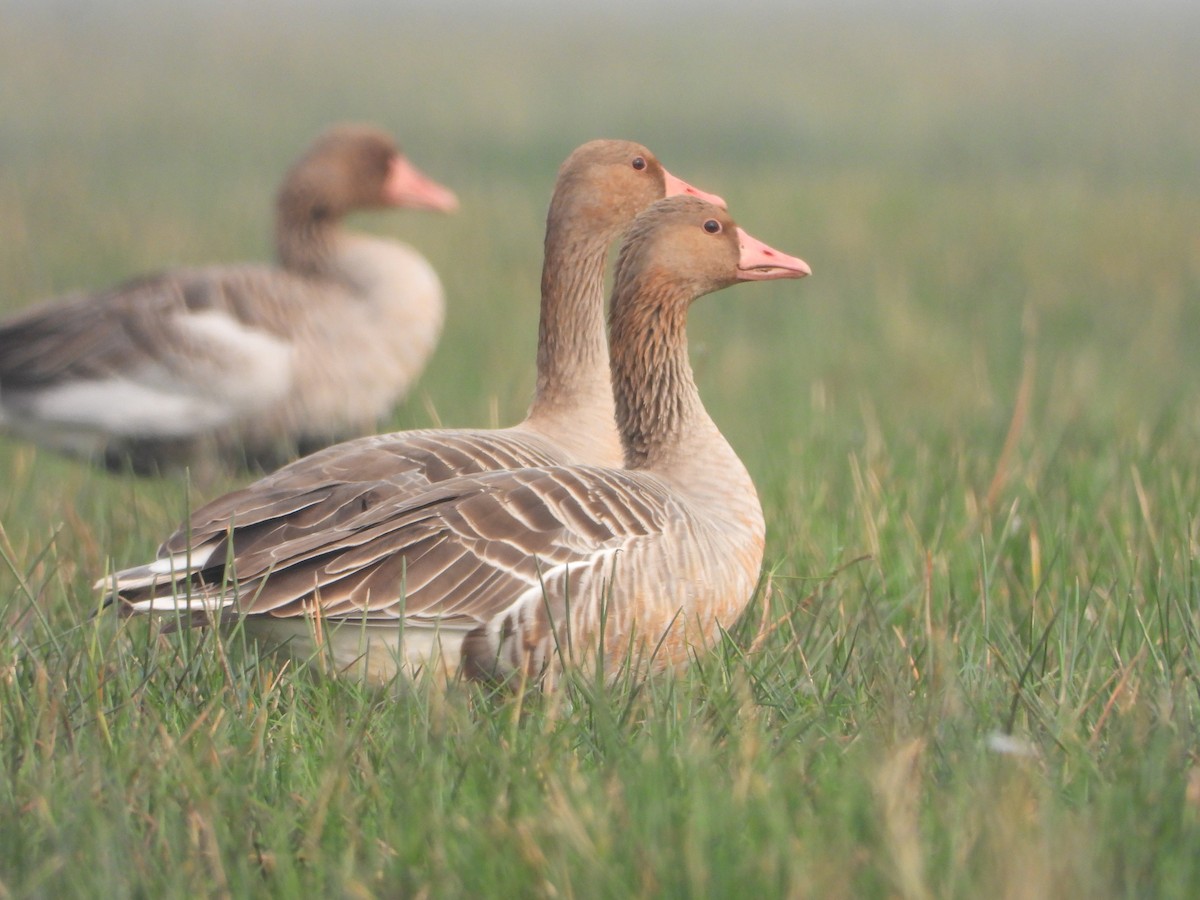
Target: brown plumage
x=513 y=571
x=169 y=367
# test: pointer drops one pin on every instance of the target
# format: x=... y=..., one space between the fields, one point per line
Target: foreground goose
x=253 y=358
x=600 y=188
x=517 y=572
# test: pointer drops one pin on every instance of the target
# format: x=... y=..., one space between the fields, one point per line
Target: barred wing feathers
x=337 y=484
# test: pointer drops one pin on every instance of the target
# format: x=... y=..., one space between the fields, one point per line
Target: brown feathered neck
x=654 y=392
x=572 y=356
x=306 y=226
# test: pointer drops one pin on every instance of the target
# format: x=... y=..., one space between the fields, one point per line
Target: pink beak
x=406 y=185
x=759 y=262
x=679 y=186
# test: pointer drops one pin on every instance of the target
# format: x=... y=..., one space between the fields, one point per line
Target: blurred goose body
x=517 y=572
x=237 y=359
x=599 y=190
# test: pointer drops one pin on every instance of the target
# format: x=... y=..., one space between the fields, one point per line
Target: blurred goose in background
x=599 y=190
x=512 y=573
x=245 y=361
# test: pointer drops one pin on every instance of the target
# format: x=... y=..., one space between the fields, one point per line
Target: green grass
x=975 y=429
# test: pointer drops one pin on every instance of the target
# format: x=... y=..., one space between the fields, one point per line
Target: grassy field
x=974 y=670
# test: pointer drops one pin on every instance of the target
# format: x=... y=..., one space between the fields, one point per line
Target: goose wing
x=165 y=353
x=338 y=484
x=465 y=552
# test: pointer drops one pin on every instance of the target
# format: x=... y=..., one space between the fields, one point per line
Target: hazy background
x=982 y=191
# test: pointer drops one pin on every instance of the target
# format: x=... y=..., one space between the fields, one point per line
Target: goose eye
x=639 y=163
x=712 y=226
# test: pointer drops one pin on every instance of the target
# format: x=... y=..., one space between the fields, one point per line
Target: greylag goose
x=244 y=358
x=512 y=573
x=600 y=187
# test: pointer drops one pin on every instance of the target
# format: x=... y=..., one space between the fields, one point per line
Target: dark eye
x=712 y=226
x=639 y=163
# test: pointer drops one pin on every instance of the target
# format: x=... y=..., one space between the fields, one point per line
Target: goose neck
x=305 y=234
x=572 y=359
x=657 y=404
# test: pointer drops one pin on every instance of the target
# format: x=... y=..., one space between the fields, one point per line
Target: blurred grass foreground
x=976 y=431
